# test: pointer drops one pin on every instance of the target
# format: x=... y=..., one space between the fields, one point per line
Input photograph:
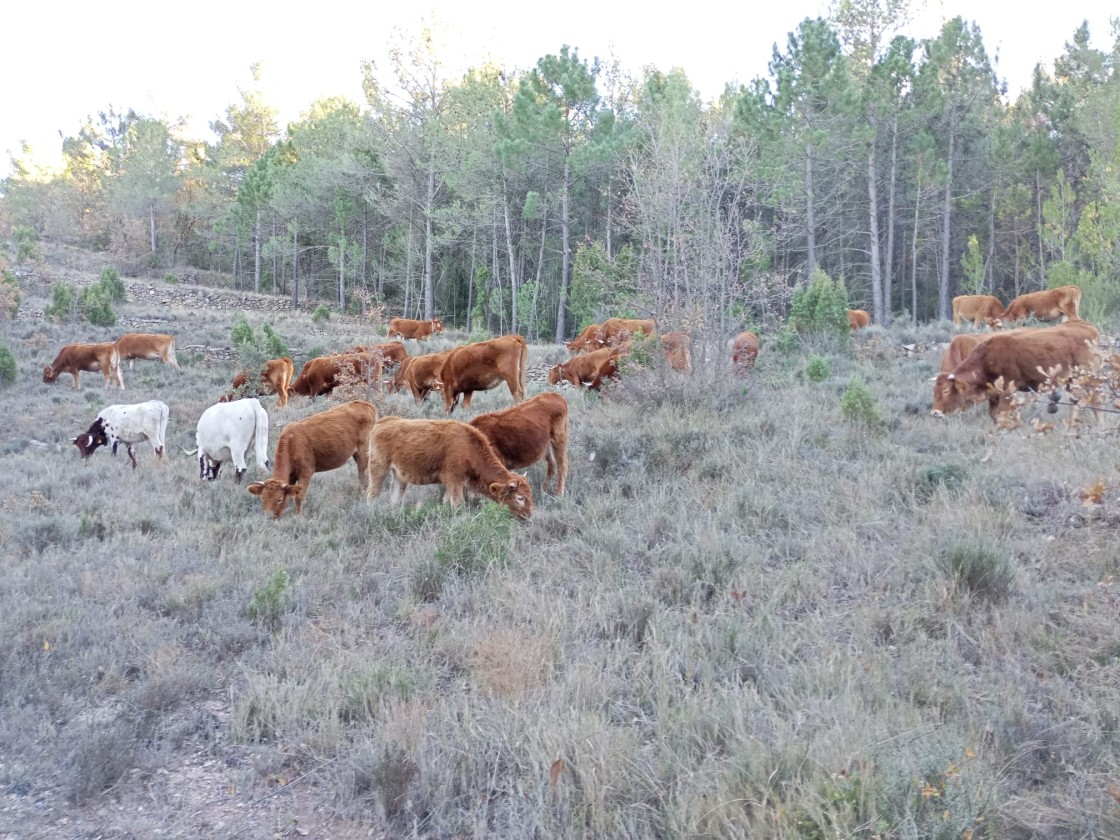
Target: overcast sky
x=65 y=60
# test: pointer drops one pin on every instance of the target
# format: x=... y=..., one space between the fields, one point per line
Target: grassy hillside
x=752 y=615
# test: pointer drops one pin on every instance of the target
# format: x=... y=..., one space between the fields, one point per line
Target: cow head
x=953 y=394
x=555 y=374
x=437 y=325
x=515 y=494
x=275 y=493
x=87 y=443
x=49 y=374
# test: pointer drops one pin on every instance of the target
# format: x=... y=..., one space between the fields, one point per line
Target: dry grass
x=747 y=618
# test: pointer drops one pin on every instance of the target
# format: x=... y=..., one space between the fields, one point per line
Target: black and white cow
x=226 y=432
x=127 y=424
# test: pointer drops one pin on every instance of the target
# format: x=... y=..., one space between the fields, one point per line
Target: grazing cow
x=678 y=350
x=590 y=339
x=445 y=452
x=408 y=328
x=127 y=424
x=484 y=365
x=93 y=357
x=858 y=319
x=275 y=378
x=132 y=346
x=744 y=350
x=1022 y=358
x=980 y=309
x=323 y=374
x=420 y=374
x=392 y=352
x=526 y=433
x=226 y=432
x=1063 y=302
x=589 y=369
x=617 y=330
x=321 y=442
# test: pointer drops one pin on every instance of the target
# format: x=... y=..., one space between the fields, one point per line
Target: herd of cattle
x=479 y=455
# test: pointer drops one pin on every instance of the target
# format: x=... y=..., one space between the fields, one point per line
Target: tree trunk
x=946 y=227
x=888 y=257
x=513 y=321
x=566 y=252
x=873 y=238
x=1041 y=252
x=914 y=255
x=429 y=208
x=470 y=288
x=810 y=215
x=152 y=225
x=295 y=264
x=257 y=252
x=341 y=269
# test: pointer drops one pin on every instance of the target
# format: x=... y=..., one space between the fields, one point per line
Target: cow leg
x=362 y=461
x=454 y=488
x=131 y=455
x=467 y=397
x=202 y=467
x=396 y=495
x=238 y=474
x=74 y=375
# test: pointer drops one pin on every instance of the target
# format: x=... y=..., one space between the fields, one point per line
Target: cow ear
x=256 y=488
x=497 y=489
x=952 y=377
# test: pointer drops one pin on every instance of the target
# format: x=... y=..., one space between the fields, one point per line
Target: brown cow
x=420 y=374
x=526 y=433
x=858 y=319
x=589 y=369
x=93 y=357
x=744 y=350
x=1064 y=302
x=275 y=378
x=484 y=365
x=590 y=339
x=980 y=309
x=323 y=374
x=1021 y=358
x=132 y=346
x=678 y=350
x=408 y=328
x=321 y=442
x=392 y=352
x=445 y=452
x=617 y=330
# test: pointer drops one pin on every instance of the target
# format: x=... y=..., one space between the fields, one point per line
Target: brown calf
x=534 y=430
x=319 y=443
x=93 y=357
x=589 y=369
x=132 y=346
x=858 y=319
x=484 y=365
x=443 y=452
x=408 y=328
x=980 y=309
x=1063 y=302
x=275 y=378
x=744 y=351
x=420 y=374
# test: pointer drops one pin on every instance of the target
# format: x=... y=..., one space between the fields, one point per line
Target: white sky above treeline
x=66 y=60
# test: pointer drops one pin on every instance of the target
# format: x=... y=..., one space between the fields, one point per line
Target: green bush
x=321 y=314
x=27 y=243
x=274 y=346
x=270 y=602
x=10 y=294
x=7 y=364
x=817 y=369
x=97 y=306
x=820 y=307
x=111 y=283
x=170 y=278
x=858 y=405
x=786 y=342
x=241 y=334
x=475 y=542
x=61 y=307
x=979 y=567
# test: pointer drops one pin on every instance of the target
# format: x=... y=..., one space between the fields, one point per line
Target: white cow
x=127 y=424
x=226 y=431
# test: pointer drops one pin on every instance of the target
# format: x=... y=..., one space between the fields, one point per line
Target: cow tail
x=260 y=436
x=171 y=357
x=115 y=367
